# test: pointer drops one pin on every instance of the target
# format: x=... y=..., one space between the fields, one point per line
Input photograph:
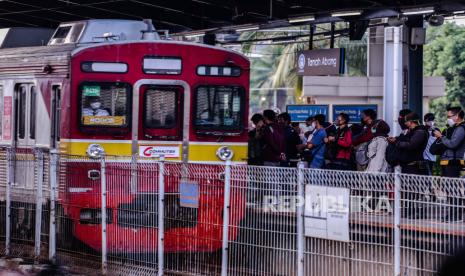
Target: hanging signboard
x=323 y=62
x=354 y=111
x=326 y=213
x=299 y=113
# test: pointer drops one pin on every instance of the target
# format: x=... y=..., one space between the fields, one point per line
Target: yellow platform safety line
x=197 y=152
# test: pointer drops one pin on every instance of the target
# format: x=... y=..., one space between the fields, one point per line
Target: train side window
x=161 y=107
x=56 y=110
x=32 y=114
x=1 y=109
x=219 y=107
x=21 y=119
x=105 y=104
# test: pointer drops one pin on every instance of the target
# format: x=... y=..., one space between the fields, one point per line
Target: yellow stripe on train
x=198 y=152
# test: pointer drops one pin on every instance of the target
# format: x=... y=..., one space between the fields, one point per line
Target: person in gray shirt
x=452 y=161
x=454 y=141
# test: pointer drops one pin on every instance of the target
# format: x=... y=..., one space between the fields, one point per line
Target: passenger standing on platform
x=452 y=161
x=255 y=141
x=316 y=146
x=377 y=148
x=274 y=146
x=361 y=142
x=454 y=141
x=368 y=120
x=401 y=120
x=429 y=158
x=412 y=146
x=292 y=139
x=340 y=145
x=311 y=125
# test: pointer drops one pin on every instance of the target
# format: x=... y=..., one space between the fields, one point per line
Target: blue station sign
x=354 y=111
x=299 y=113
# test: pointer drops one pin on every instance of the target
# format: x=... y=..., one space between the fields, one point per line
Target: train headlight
x=95 y=151
x=225 y=153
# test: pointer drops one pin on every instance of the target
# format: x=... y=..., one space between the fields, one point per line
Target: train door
x=25 y=96
x=162 y=110
x=55 y=116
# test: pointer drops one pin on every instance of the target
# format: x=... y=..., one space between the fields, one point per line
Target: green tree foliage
x=276 y=67
x=444 y=55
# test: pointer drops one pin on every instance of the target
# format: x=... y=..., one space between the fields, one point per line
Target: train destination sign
x=323 y=62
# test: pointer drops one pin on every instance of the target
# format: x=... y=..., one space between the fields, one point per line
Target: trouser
x=430 y=167
x=419 y=168
x=413 y=198
x=455 y=198
x=340 y=165
x=451 y=170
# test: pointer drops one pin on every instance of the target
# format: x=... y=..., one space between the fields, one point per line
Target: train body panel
x=136 y=100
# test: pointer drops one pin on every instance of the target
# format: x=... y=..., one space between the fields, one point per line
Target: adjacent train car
x=97 y=87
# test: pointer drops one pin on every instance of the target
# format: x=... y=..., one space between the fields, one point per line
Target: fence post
x=226 y=207
x=10 y=181
x=53 y=190
x=300 y=219
x=397 y=216
x=39 y=199
x=103 y=192
x=161 y=214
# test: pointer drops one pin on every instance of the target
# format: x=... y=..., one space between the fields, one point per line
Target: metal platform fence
x=126 y=216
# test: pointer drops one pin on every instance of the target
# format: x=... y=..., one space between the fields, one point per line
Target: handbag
x=437 y=148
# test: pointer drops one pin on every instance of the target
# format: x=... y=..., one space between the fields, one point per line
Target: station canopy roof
x=194 y=15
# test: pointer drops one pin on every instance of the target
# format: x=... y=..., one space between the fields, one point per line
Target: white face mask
x=450 y=122
x=430 y=123
x=95 y=105
x=312 y=127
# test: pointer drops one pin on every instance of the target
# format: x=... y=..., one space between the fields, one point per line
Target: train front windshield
x=219 y=107
x=104 y=104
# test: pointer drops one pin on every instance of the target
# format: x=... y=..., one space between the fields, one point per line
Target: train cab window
x=32 y=113
x=160 y=107
x=21 y=105
x=105 y=104
x=219 y=107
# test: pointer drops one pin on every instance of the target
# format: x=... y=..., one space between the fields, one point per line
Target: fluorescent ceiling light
x=247 y=28
x=194 y=35
x=329 y=36
x=459 y=12
x=301 y=19
x=418 y=11
x=346 y=13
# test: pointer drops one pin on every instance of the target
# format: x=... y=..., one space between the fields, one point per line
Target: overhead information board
x=322 y=62
x=299 y=113
x=354 y=111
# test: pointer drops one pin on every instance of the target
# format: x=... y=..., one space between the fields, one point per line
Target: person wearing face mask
x=339 y=146
x=377 y=148
x=427 y=155
x=401 y=120
x=311 y=125
x=95 y=108
x=454 y=142
x=255 y=141
x=292 y=140
x=452 y=161
x=412 y=146
x=368 y=120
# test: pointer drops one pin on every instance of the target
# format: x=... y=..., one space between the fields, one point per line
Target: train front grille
x=143 y=212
